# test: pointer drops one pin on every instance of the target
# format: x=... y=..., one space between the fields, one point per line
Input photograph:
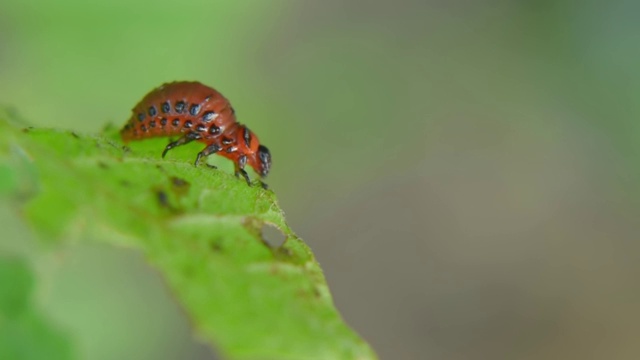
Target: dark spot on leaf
x=284 y=252
x=309 y=294
x=163 y=199
x=108 y=128
x=113 y=144
x=102 y=165
x=178 y=182
x=216 y=247
x=74 y=135
x=180 y=186
x=253 y=225
x=316 y=292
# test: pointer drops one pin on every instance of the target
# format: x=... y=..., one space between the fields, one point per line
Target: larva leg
x=244 y=175
x=211 y=149
x=242 y=161
x=185 y=139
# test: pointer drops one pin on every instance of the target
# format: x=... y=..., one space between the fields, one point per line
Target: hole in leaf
x=273 y=236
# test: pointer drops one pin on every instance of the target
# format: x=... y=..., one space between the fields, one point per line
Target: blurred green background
x=465 y=171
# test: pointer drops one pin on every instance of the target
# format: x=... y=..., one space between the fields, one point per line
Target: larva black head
x=265 y=160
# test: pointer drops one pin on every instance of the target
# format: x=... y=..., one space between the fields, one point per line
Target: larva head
x=258 y=156
x=264 y=157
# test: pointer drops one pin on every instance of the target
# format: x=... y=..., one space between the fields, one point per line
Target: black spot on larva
x=208 y=116
x=200 y=127
x=242 y=161
x=231 y=149
x=214 y=130
x=247 y=137
x=226 y=141
x=143 y=128
x=166 y=107
x=175 y=122
x=152 y=123
x=188 y=124
x=163 y=121
x=153 y=111
x=180 y=107
x=141 y=116
x=194 y=109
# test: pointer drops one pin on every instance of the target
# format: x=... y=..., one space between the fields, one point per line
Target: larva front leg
x=211 y=149
x=185 y=139
x=242 y=161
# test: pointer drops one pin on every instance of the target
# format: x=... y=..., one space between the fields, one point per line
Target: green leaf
x=201 y=228
x=24 y=333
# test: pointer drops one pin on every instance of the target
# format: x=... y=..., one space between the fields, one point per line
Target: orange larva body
x=197 y=112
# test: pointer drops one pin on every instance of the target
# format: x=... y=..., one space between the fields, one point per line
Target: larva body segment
x=166 y=110
x=194 y=111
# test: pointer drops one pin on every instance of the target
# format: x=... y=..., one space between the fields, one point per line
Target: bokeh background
x=465 y=171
